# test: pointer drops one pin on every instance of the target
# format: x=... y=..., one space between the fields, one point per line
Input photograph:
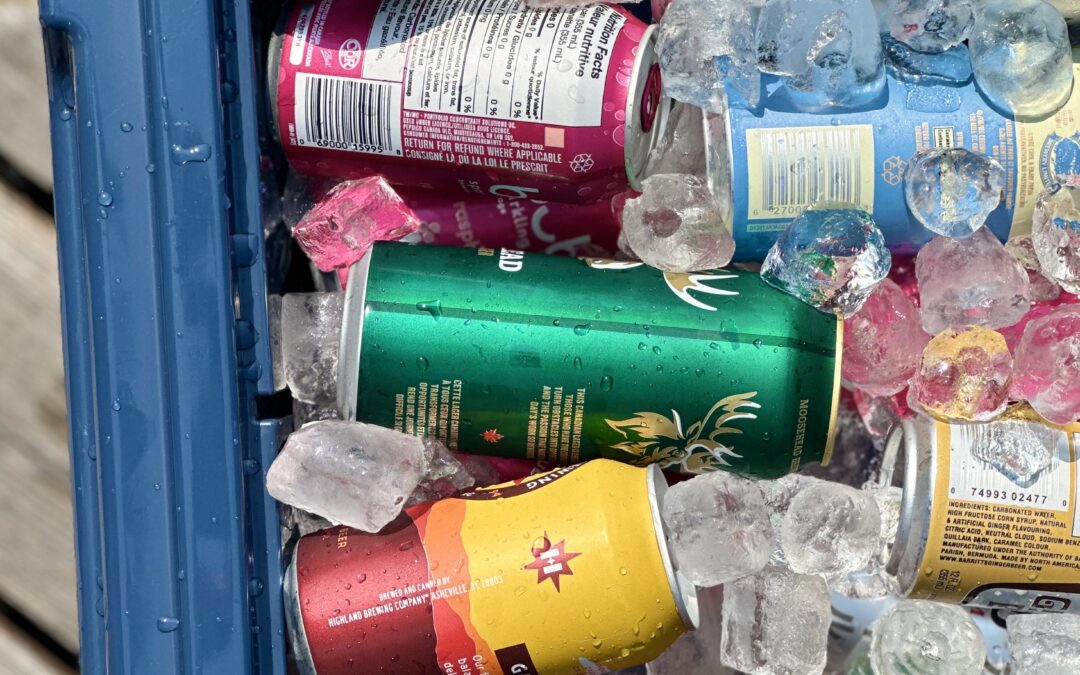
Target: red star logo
x=492 y=436
x=551 y=561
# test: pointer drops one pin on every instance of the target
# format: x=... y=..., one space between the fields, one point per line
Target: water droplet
x=168 y=624
x=575 y=94
x=185 y=154
x=617 y=308
x=116 y=405
x=766 y=436
x=251 y=467
x=556 y=322
x=606 y=383
x=213 y=520
x=432 y=307
x=65 y=114
x=157 y=486
x=757 y=343
x=563 y=65
x=229 y=91
x=361 y=578
x=623 y=571
x=928 y=571
x=582 y=329
x=104 y=198
x=642 y=346
x=624 y=652
x=421 y=363
x=91 y=452
x=1032 y=576
x=519 y=591
x=150 y=168
x=577 y=362
x=406 y=546
x=181 y=574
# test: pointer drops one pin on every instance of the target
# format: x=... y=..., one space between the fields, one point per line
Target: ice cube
x=776 y=622
x=718 y=527
x=705 y=49
x=973 y=281
x=1046 y=372
x=1022 y=248
x=963 y=376
x=921 y=636
x=1055 y=234
x=882 y=342
x=445 y=475
x=311 y=412
x=950 y=68
x=928 y=25
x=1021 y=56
x=828 y=52
x=681 y=150
x=873 y=580
x=350 y=473
x=697 y=652
x=831 y=256
x=880 y=413
x=951 y=191
x=310 y=329
x=273 y=317
x=675 y=225
x=1044 y=644
x=1019 y=450
x=340 y=228
x=830 y=529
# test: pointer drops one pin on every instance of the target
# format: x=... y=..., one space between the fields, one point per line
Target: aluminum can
x=561 y=359
x=768 y=166
x=969 y=535
x=587 y=230
x=566 y=572
x=472 y=96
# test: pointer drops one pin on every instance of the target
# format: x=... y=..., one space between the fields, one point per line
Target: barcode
x=349 y=114
x=793 y=168
x=974 y=480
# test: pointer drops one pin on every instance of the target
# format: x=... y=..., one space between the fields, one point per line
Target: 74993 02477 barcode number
x=1009 y=496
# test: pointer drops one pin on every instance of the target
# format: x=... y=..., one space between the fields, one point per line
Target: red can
x=582 y=230
x=475 y=96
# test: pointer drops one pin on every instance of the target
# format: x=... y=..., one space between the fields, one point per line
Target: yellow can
x=562 y=572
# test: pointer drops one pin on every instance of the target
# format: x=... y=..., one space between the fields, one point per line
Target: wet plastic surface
x=155 y=128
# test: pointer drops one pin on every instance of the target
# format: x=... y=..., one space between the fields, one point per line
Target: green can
x=499 y=352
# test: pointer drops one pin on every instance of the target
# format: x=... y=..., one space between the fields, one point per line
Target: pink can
x=483 y=97
x=583 y=230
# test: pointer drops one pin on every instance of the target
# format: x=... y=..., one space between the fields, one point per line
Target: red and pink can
x=484 y=97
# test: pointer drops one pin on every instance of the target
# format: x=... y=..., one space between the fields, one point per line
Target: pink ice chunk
x=340 y=228
x=1047 y=365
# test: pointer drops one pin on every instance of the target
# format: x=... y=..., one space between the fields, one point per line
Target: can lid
x=646 y=110
x=352 y=330
x=682 y=589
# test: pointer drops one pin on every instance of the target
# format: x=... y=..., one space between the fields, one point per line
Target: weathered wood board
x=37 y=565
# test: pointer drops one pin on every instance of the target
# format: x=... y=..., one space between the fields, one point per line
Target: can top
x=348 y=375
x=682 y=589
x=646 y=110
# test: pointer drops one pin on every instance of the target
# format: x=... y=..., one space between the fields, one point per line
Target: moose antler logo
x=680 y=284
x=653 y=438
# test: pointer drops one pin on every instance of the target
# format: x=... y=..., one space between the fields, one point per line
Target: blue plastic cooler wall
x=155 y=143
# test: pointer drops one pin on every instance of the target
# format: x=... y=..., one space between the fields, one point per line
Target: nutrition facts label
x=495 y=58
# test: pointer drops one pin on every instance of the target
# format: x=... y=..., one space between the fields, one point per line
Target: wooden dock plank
x=21 y=656
x=24 y=111
x=37 y=565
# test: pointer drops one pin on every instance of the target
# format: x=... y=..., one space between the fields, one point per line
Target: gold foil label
x=994 y=543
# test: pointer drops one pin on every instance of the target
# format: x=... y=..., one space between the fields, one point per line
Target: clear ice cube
x=776 y=622
x=718 y=527
x=831 y=256
x=1021 y=56
x=828 y=52
x=1044 y=644
x=1019 y=450
x=928 y=25
x=349 y=473
x=705 y=49
x=973 y=281
x=310 y=329
x=1055 y=234
x=830 y=529
x=676 y=225
x=921 y=637
x=951 y=191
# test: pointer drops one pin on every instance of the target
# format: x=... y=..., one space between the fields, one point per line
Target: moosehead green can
x=559 y=359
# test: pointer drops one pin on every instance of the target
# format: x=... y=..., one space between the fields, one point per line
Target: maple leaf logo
x=551 y=561
x=492 y=436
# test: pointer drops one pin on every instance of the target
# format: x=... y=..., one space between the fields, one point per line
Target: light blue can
x=772 y=165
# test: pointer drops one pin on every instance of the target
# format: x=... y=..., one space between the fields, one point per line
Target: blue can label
x=782 y=161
